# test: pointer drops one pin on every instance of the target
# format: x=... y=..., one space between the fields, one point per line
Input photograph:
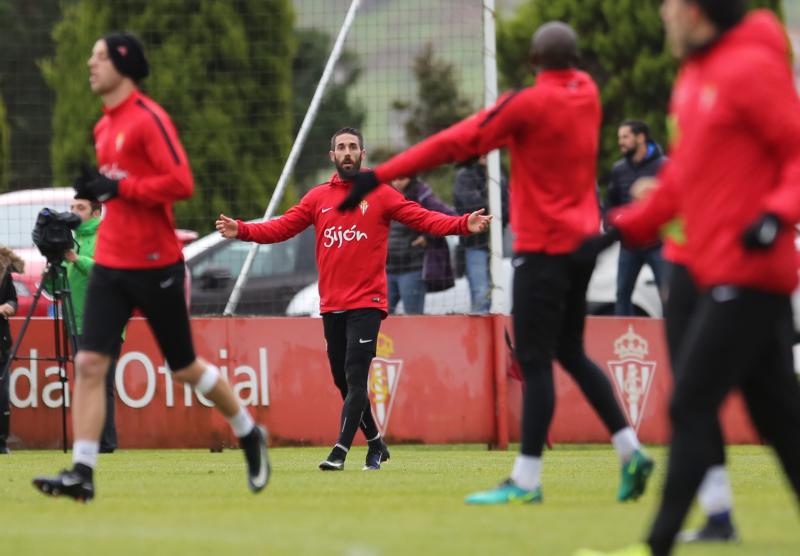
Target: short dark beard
x=348 y=174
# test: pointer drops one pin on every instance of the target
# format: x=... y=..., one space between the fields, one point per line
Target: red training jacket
x=551 y=131
x=351 y=247
x=736 y=155
x=137 y=144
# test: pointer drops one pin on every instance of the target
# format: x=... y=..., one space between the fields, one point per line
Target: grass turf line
x=195 y=502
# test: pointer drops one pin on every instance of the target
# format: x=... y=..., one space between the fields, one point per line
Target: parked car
x=600 y=295
x=18 y=211
x=279 y=271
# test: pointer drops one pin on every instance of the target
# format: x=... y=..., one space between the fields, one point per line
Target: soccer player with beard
x=351 y=253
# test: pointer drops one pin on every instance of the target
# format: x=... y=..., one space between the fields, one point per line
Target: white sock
x=625 y=442
x=242 y=423
x=85 y=452
x=715 y=494
x=527 y=472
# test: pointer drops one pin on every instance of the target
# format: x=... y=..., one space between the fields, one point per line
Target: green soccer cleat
x=635 y=550
x=633 y=479
x=506 y=492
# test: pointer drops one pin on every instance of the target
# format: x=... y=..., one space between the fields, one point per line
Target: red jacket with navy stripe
x=552 y=132
x=351 y=247
x=137 y=144
x=735 y=155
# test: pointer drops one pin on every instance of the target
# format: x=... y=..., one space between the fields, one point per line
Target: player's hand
x=7 y=310
x=593 y=245
x=478 y=222
x=103 y=188
x=363 y=183
x=420 y=242
x=82 y=181
x=642 y=187
x=761 y=234
x=227 y=227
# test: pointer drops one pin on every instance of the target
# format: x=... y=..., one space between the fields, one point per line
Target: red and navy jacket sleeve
x=487 y=130
x=414 y=216
x=294 y=221
x=775 y=117
x=172 y=178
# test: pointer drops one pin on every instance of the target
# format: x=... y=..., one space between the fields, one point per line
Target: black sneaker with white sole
x=714 y=531
x=67 y=483
x=376 y=456
x=254 y=446
x=332 y=464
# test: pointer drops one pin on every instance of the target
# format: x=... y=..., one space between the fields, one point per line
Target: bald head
x=554 y=46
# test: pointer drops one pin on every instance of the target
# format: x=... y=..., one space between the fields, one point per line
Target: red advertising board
x=434 y=380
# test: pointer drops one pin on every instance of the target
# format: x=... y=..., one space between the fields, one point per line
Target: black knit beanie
x=127 y=55
x=723 y=13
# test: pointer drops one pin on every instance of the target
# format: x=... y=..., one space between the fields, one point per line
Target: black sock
x=338 y=453
x=86 y=472
x=375 y=444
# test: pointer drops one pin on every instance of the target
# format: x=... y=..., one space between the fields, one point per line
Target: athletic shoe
x=506 y=492
x=67 y=483
x=634 y=476
x=635 y=550
x=332 y=464
x=374 y=459
x=384 y=452
x=254 y=446
x=715 y=530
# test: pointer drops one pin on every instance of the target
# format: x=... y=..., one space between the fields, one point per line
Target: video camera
x=52 y=233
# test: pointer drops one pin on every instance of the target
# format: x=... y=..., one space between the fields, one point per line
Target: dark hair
x=638 y=127
x=96 y=205
x=347 y=130
x=724 y=14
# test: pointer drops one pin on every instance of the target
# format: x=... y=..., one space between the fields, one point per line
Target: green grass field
x=195 y=502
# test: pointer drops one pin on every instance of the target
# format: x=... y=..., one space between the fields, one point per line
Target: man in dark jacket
x=9 y=262
x=470 y=193
x=407 y=249
x=642 y=158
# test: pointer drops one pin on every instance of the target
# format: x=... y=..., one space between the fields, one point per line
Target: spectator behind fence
x=642 y=158
x=9 y=262
x=408 y=249
x=470 y=193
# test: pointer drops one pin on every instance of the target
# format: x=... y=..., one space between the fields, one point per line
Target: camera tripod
x=64 y=331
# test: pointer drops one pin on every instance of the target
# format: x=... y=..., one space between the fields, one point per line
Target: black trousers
x=681 y=300
x=352 y=338
x=549 y=315
x=737 y=338
x=108 y=438
x=5 y=398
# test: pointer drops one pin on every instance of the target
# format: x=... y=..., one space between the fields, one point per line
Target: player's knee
x=357 y=396
x=92 y=366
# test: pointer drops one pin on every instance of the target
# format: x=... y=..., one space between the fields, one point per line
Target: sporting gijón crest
x=632 y=374
x=384 y=376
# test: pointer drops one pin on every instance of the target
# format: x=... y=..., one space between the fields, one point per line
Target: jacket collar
x=132 y=98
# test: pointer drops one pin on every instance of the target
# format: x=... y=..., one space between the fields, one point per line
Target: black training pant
x=737 y=338
x=352 y=337
x=679 y=306
x=549 y=314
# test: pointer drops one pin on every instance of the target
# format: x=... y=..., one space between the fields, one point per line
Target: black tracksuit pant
x=549 y=315
x=352 y=337
x=736 y=338
x=679 y=306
